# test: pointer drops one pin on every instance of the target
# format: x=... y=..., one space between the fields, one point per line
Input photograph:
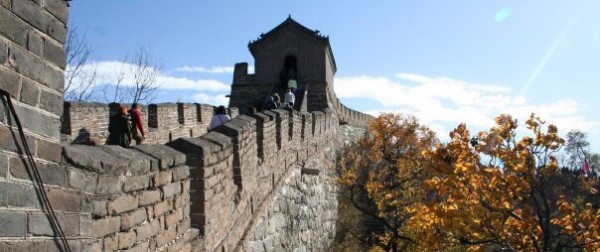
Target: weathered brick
x=10 y=81
x=140 y=247
x=35 y=245
x=184 y=225
x=99 y=208
x=32 y=13
x=111 y=243
x=55 y=54
x=181 y=173
x=173 y=218
x=133 y=218
x=171 y=190
x=3 y=165
x=84 y=181
x=18 y=195
x=162 y=178
x=62 y=200
x=14 y=224
x=51 y=102
x=39 y=224
x=122 y=204
x=144 y=232
x=34 y=68
x=126 y=239
x=166 y=237
x=12 y=28
x=58 y=8
x=106 y=226
x=57 y=30
x=3 y=51
x=35 y=43
x=136 y=183
x=50 y=173
x=5 y=3
x=109 y=185
x=162 y=207
x=38 y=122
x=149 y=197
x=30 y=92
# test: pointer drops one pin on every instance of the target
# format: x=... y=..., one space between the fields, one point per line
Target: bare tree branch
x=80 y=75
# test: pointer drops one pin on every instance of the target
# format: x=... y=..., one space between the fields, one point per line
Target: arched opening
x=289 y=71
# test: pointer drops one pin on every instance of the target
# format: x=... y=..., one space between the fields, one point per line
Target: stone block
x=109 y=185
x=55 y=53
x=48 y=150
x=58 y=8
x=106 y=226
x=162 y=178
x=126 y=239
x=38 y=122
x=167 y=157
x=94 y=159
x=35 y=43
x=62 y=200
x=184 y=225
x=136 y=183
x=133 y=218
x=99 y=208
x=13 y=28
x=30 y=92
x=111 y=243
x=138 y=162
x=173 y=218
x=39 y=224
x=140 y=247
x=84 y=181
x=181 y=173
x=10 y=81
x=166 y=237
x=14 y=224
x=162 y=207
x=149 y=197
x=3 y=165
x=171 y=190
x=144 y=232
x=50 y=173
x=122 y=204
x=51 y=102
x=18 y=195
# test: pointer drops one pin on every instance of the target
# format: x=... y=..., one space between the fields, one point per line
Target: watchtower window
x=289 y=71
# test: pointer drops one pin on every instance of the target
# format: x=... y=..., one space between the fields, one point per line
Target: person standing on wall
x=136 y=120
x=289 y=98
x=219 y=118
x=119 y=128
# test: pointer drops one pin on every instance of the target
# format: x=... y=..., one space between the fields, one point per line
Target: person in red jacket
x=136 y=121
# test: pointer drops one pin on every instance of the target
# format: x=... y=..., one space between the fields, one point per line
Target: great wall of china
x=257 y=183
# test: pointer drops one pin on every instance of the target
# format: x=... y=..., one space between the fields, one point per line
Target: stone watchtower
x=288 y=49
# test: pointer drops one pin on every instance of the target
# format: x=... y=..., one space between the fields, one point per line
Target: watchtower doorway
x=289 y=71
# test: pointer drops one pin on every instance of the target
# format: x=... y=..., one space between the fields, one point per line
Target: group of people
x=125 y=125
x=275 y=101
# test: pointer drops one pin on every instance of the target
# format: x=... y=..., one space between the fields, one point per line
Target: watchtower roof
x=289 y=23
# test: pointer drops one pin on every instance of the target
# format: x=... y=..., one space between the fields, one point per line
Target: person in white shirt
x=289 y=98
x=219 y=118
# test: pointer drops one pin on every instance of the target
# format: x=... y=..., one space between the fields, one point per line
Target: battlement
x=235 y=168
x=164 y=122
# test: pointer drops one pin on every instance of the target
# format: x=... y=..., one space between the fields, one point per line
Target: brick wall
x=236 y=169
x=32 y=61
x=164 y=122
x=131 y=199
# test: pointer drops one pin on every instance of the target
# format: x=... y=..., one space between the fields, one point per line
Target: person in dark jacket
x=119 y=128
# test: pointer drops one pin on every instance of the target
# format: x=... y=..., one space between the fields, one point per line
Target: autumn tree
x=383 y=174
x=502 y=194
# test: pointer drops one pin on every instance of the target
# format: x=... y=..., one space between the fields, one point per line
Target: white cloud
x=211 y=70
x=218 y=99
x=443 y=102
x=106 y=72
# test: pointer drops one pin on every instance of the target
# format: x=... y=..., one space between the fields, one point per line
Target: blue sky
x=444 y=61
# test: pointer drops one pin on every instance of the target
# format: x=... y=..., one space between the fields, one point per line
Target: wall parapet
x=236 y=168
x=85 y=122
x=132 y=199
